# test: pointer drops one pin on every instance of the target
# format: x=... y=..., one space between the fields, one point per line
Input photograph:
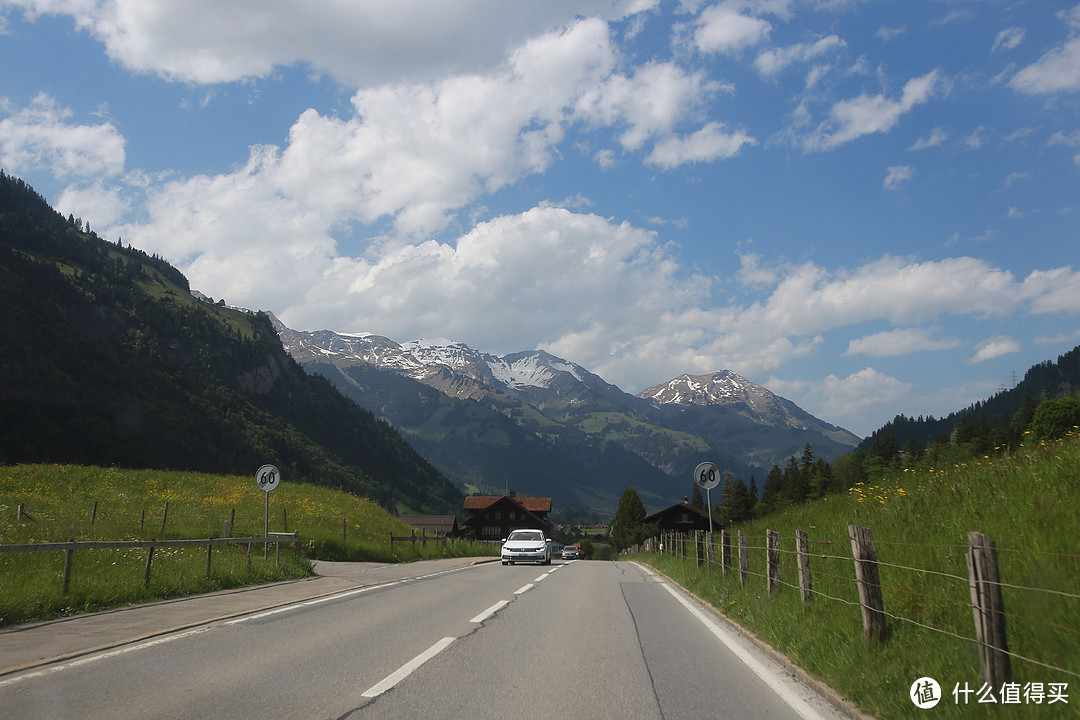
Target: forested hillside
x=106 y=358
x=996 y=421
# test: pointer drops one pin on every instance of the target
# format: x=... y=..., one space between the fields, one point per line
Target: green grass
x=920 y=519
x=60 y=500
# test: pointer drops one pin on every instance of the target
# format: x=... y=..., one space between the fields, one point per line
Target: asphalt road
x=429 y=640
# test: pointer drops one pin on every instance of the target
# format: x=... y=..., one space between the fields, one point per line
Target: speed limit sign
x=267 y=477
x=707 y=476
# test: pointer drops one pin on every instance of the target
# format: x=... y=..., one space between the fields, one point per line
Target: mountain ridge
x=550 y=397
x=107 y=358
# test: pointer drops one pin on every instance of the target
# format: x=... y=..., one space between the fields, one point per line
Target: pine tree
x=626 y=526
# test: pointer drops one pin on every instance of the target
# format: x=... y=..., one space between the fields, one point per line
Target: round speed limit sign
x=707 y=476
x=267 y=477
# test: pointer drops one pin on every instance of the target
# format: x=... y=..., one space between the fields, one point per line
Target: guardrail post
x=69 y=556
x=802 y=548
x=866 y=572
x=988 y=609
x=772 y=554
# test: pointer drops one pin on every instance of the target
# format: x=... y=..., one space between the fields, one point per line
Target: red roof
x=532 y=504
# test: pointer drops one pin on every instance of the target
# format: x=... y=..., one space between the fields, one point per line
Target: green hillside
x=107 y=359
x=62 y=502
x=920 y=515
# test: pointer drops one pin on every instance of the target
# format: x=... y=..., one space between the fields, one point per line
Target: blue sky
x=870 y=207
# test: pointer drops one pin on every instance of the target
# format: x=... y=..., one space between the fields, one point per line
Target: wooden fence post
x=142 y=520
x=697 y=548
x=69 y=556
x=744 y=559
x=93 y=514
x=18 y=513
x=164 y=517
x=285 y=519
x=725 y=550
x=209 y=547
x=866 y=572
x=709 y=550
x=988 y=610
x=149 y=560
x=772 y=553
x=342 y=533
x=802 y=548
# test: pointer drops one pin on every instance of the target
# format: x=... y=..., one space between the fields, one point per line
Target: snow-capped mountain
x=551 y=423
x=452 y=367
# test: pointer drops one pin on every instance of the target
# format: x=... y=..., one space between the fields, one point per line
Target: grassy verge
x=1027 y=503
x=62 y=502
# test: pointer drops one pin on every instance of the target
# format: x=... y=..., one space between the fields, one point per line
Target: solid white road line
x=490 y=611
x=732 y=641
x=407 y=669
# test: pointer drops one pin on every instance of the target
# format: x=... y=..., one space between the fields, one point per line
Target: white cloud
x=904 y=341
x=994 y=347
x=1058 y=70
x=1008 y=39
x=937 y=136
x=771 y=62
x=42 y=136
x=723 y=29
x=361 y=42
x=867 y=114
x=853 y=402
x=708 y=143
x=897 y=175
x=650 y=103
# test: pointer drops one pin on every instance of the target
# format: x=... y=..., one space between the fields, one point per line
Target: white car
x=526 y=546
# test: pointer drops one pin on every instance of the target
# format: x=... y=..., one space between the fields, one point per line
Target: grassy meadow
x=1028 y=503
x=59 y=504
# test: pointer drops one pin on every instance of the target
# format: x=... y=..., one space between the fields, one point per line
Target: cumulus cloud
x=1008 y=39
x=771 y=62
x=43 y=136
x=867 y=114
x=649 y=103
x=723 y=29
x=904 y=341
x=1058 y=70
x=362 y=42
x=850 y=401
x=994 y=347
x=707 y=144
x=897 y=175
x=936 y=137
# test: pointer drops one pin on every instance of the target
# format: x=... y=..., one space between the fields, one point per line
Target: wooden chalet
x=683 y=517
x=492 y=517
x=434 y=525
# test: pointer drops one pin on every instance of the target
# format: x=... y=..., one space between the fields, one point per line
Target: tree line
x=808 y=477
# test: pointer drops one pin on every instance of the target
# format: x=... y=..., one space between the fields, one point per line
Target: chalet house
x=683 y=517
x=433 y=525
x=492 y=517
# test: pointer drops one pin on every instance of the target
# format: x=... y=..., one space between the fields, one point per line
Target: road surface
x=576 y=639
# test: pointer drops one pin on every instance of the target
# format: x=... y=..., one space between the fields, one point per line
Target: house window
x=492 y=531
x=498 y=514
x=513 y=515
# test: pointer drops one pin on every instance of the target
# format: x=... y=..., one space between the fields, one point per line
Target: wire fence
x=822 y=569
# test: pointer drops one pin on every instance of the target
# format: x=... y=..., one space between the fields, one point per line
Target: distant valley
x=541 y=425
